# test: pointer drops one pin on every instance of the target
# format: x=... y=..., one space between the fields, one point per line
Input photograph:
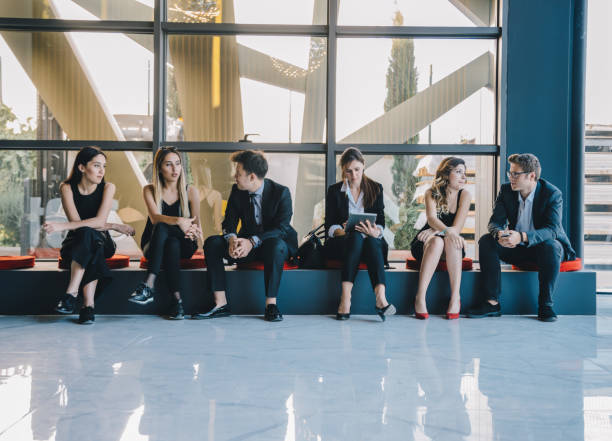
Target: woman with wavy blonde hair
x=446 y=205
x=173 y=227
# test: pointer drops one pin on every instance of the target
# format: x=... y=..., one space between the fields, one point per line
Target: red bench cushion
x=566 y=266
x=195 y=262
x=413 y=264
x=259 y=266
x=337 y=264
x=16 y=262
x=116 y=261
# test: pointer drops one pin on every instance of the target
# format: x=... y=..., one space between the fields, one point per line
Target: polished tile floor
x=307 y=378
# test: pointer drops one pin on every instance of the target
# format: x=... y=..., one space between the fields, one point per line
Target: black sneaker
x=485 y=309
x=546 y=314
x=86 y=316
x=221 y=311
x=273 y=314
x=67 y=305
x=142 y=294
x=176 y=311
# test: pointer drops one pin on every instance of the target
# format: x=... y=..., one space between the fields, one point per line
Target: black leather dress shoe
x=273 y=314
x=221 y=311
x=546 y=314
x=341 y=316
x=485 y=309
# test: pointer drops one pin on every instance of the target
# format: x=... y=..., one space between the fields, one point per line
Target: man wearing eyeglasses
x=525 y=227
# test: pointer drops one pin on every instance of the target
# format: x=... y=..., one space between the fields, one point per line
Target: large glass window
x=418 y=13
x=96 y=83
x=222 y=87
x=135 y=10
x=416 y=91
x=302 y=12
x=598 y=147
x=76 y=85
x=405 y=178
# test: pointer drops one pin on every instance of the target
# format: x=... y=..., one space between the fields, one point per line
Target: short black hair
x=253 y=161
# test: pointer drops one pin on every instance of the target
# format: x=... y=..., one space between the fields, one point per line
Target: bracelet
x=252 y=241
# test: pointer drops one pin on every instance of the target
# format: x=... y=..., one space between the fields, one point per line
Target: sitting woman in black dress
x=439 y=238
x=173 y=227
x=87 y=201
x=357 y=194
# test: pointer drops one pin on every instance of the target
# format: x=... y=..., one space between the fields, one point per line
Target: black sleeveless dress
x=167 y=210
x=416 y=247
x=86 y=246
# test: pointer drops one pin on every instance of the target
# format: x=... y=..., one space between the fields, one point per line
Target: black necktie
x=252 y=210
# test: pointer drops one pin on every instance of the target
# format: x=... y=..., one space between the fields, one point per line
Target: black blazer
x=336 y=209
x=547 y=214
x=276 y=211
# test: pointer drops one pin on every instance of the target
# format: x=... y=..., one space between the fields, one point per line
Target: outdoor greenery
x=15 y=166
x=402 y=78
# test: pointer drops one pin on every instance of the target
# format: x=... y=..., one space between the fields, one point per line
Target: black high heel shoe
x=341 y=316
x=385 y=311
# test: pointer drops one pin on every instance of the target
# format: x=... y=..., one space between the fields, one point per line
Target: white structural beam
x=410 y=117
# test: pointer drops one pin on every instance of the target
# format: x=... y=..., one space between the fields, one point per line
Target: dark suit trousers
x=546 y=255
x=353 y=248
x=272 y=252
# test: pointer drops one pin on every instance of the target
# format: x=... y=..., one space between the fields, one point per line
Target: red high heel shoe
x=452 y=315
x=421 y=316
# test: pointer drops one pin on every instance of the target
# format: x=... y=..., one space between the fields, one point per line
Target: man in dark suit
x=264 y=209
x=525 y=227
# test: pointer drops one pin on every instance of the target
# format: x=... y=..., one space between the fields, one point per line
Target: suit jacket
x=336 y=209
x=546 y=213
x=276 y=212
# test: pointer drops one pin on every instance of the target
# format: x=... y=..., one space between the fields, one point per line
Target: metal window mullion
x=421 y=149
x=418 y=32
x=160 y=51
x=195 y=146
x=60 y=25
x=332 y=49
x=237 y=28
x=41 y=144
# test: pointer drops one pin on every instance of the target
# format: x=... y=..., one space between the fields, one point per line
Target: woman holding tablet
x=357 y=194
x=446 y=205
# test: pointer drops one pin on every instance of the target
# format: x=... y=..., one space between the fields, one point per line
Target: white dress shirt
x=354 y=207
x=525 y=213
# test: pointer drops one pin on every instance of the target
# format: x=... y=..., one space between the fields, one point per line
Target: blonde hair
x=158 y=181
x=440 y=183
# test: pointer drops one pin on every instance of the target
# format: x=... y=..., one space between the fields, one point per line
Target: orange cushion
x=413 y=264
x=259 y=266
x=566 y=266
x=195 y=262
x=116 y=261
x=16 y=262
x=337 y=264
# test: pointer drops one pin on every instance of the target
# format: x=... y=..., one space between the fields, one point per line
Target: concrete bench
x=36 y=290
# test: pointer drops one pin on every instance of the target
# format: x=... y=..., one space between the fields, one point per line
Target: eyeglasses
x=516 y=174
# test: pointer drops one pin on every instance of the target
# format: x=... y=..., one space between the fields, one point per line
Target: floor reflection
x=311 y=378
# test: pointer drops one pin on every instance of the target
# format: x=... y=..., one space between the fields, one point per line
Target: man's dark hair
x=528 y=162
x=253 y=161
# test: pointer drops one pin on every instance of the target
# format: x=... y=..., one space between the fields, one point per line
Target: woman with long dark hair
x=173 y=227
x=447 y=204
x=357 y=194
x=87 y=200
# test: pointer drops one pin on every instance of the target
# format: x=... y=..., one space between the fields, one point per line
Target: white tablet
x=355 y=218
